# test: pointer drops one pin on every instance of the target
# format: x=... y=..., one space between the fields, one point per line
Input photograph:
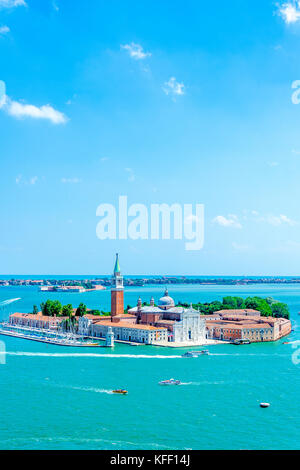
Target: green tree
x=67 y=311
x=47 y=308
x=280 y=310
x=229 y=302
x=240 y=302
x=35 y=310
x=251 y=302
x=260 y=304
x=214 y=307
x=56 y=308
x=95 y=312
x=81 y=310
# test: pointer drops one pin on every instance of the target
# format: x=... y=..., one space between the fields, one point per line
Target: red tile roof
x=128 y=325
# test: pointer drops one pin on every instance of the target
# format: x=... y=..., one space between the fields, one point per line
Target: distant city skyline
x=163 y=105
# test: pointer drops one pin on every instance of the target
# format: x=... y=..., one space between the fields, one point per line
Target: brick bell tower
x=117 y=291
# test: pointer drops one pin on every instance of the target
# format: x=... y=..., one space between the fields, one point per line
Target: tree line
x=268 y=307
x=52 y=308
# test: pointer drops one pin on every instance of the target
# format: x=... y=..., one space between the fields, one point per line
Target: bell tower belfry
x=117 y=291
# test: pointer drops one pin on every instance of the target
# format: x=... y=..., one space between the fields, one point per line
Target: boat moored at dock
x=239 y=342
x=47 y=337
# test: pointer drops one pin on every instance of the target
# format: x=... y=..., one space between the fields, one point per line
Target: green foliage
x=35 y=310
x=229 y=302
x=56 y=307
x=95 y=312
x=51 y=308
x=240 y=302
x=260 y=304
x=280 y=310
x=67 y=311
x=81 y=310
x=267 y=307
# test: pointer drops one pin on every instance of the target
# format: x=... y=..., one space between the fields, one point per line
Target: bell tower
x=117 y=291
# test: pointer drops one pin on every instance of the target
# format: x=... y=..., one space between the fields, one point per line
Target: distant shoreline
x=141 y=281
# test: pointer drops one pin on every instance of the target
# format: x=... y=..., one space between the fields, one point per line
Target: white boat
x=204 y=352
x=169 y=382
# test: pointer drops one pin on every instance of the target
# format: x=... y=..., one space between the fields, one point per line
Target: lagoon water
x=60 y=398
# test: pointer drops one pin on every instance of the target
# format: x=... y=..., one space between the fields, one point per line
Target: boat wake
x=249 y=354
x=202 y=383
x=126 y=356
x=89 y=389
x=131 y=356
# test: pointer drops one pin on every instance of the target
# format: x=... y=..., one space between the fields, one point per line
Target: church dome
x=166 y=301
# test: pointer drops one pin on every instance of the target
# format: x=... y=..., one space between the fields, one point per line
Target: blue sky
x=165 y=102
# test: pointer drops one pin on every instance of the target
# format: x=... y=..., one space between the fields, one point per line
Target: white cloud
x=172 y=87
x=230 y=221
x=20 y=110
x=12 y=3
x=4 y=30
x=136 y=51
x=289 y=11
x=31 y=181
x=278 y=220
x=70 y=180
x=131 y=176
x=273 y=164
x=2 y=93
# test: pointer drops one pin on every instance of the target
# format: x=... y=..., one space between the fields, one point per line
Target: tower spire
x=117 y=269
x=117 y=291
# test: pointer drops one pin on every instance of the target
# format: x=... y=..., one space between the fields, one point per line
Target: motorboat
x=204 y=352
x=239 y=342
x=121 y=391
x=169 y=382
x=189 y=354
x=264 y=405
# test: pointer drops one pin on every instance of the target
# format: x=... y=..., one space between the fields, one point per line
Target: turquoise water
x=60 y=398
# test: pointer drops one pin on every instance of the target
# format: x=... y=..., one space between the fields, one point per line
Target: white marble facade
x=190 y=328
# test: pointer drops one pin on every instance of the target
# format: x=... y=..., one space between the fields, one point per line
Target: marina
x=48 y=336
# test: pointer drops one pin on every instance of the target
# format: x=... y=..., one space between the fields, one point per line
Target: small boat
x=205 y=352
x=189 y=354
x=286 y=342
x=169 y=382
x=241 y=341
x=264 y=405
x=121 y=391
